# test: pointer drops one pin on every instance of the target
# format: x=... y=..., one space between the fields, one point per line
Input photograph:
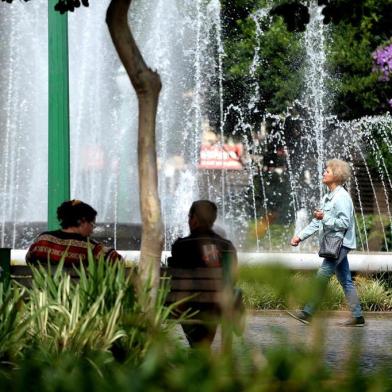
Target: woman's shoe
x=302 y=316
x=354 y=322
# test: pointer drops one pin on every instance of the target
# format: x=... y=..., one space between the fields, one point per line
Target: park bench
x=200 y=285
x=189 y=287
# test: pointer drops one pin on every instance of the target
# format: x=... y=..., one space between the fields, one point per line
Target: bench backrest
x=200 y=285
x=23 y=274
x=203 y=285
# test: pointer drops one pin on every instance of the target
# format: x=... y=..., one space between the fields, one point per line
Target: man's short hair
x=205 y=212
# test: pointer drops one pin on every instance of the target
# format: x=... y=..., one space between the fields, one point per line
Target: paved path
x=375 y=339
x=265 y=329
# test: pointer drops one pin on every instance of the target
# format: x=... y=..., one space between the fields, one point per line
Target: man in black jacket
x=202 y=248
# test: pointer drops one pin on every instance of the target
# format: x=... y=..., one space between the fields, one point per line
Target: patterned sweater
x=52 y=245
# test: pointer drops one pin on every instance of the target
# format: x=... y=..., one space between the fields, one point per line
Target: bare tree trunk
x=147 y=85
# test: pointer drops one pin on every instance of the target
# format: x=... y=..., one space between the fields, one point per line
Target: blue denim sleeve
x=310 y=229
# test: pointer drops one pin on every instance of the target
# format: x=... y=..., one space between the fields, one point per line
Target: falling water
x=103 y=107
x=23 y=119
x=321 y=136
x=315 y=79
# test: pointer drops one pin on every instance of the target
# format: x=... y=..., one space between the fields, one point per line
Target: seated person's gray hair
x=205 y=211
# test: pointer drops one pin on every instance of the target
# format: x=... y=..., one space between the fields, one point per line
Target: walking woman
x=335 y=217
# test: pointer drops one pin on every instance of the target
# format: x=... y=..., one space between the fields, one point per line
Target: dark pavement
x=374 y=340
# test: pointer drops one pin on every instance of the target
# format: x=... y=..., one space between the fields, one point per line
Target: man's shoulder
x=181 y=240
x=183 y=245
x=223 y=240
x=217 y=239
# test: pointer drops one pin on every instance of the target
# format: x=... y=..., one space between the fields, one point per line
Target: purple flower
x=390 y=102
x=382 y=62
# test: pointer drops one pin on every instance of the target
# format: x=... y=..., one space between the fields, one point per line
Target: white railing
x=359 y=261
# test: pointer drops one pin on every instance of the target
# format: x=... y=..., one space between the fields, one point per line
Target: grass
x=261 y=291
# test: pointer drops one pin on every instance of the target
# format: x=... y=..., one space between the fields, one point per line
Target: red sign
x=216 y=156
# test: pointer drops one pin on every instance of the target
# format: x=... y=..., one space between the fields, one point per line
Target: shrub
x=373 y=294
x=273 y=287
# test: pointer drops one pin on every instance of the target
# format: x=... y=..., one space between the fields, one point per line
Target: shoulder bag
x=330 y=246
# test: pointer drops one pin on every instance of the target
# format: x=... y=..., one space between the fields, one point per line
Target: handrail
x=359 y=261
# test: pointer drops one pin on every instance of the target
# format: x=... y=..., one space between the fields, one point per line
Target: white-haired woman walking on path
x=335 y=217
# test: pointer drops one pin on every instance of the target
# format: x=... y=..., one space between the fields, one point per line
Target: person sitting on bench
x=203 y=248
x=77 y=221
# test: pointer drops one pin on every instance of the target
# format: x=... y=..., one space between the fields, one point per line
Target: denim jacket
x=338 y=217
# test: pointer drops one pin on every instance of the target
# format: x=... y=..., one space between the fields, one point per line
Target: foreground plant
x=14 y=323
x=93 y=309
x=70 y=341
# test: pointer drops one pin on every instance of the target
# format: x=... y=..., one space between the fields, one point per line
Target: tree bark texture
x=147 y=85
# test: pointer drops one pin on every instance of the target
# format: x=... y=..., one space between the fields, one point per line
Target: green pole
x=59 y=140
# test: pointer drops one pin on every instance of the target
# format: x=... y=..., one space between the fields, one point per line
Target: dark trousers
x=203 y=332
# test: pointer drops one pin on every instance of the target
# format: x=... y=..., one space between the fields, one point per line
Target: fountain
x=183 y=41
x=23 y=121
x=104 y=112
x=304 y=138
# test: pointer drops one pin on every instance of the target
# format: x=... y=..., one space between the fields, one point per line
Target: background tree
x=356 y=30
x=278 y=73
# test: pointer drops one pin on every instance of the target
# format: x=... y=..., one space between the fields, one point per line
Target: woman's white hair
x=340 y=169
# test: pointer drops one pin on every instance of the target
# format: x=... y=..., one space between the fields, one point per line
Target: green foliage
x=100 y=350
x=356 y=29
x=356 y=88
x=295 y=14
x=285 y=367
x=84 y=315
x=261 y=296
x=98 y=312
x=375 y=230
x=274 y=287
x=334 y=298
x=13 y=323
x=374 y=294
x=372 y=15
x=380 y=159
x=278 y=72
